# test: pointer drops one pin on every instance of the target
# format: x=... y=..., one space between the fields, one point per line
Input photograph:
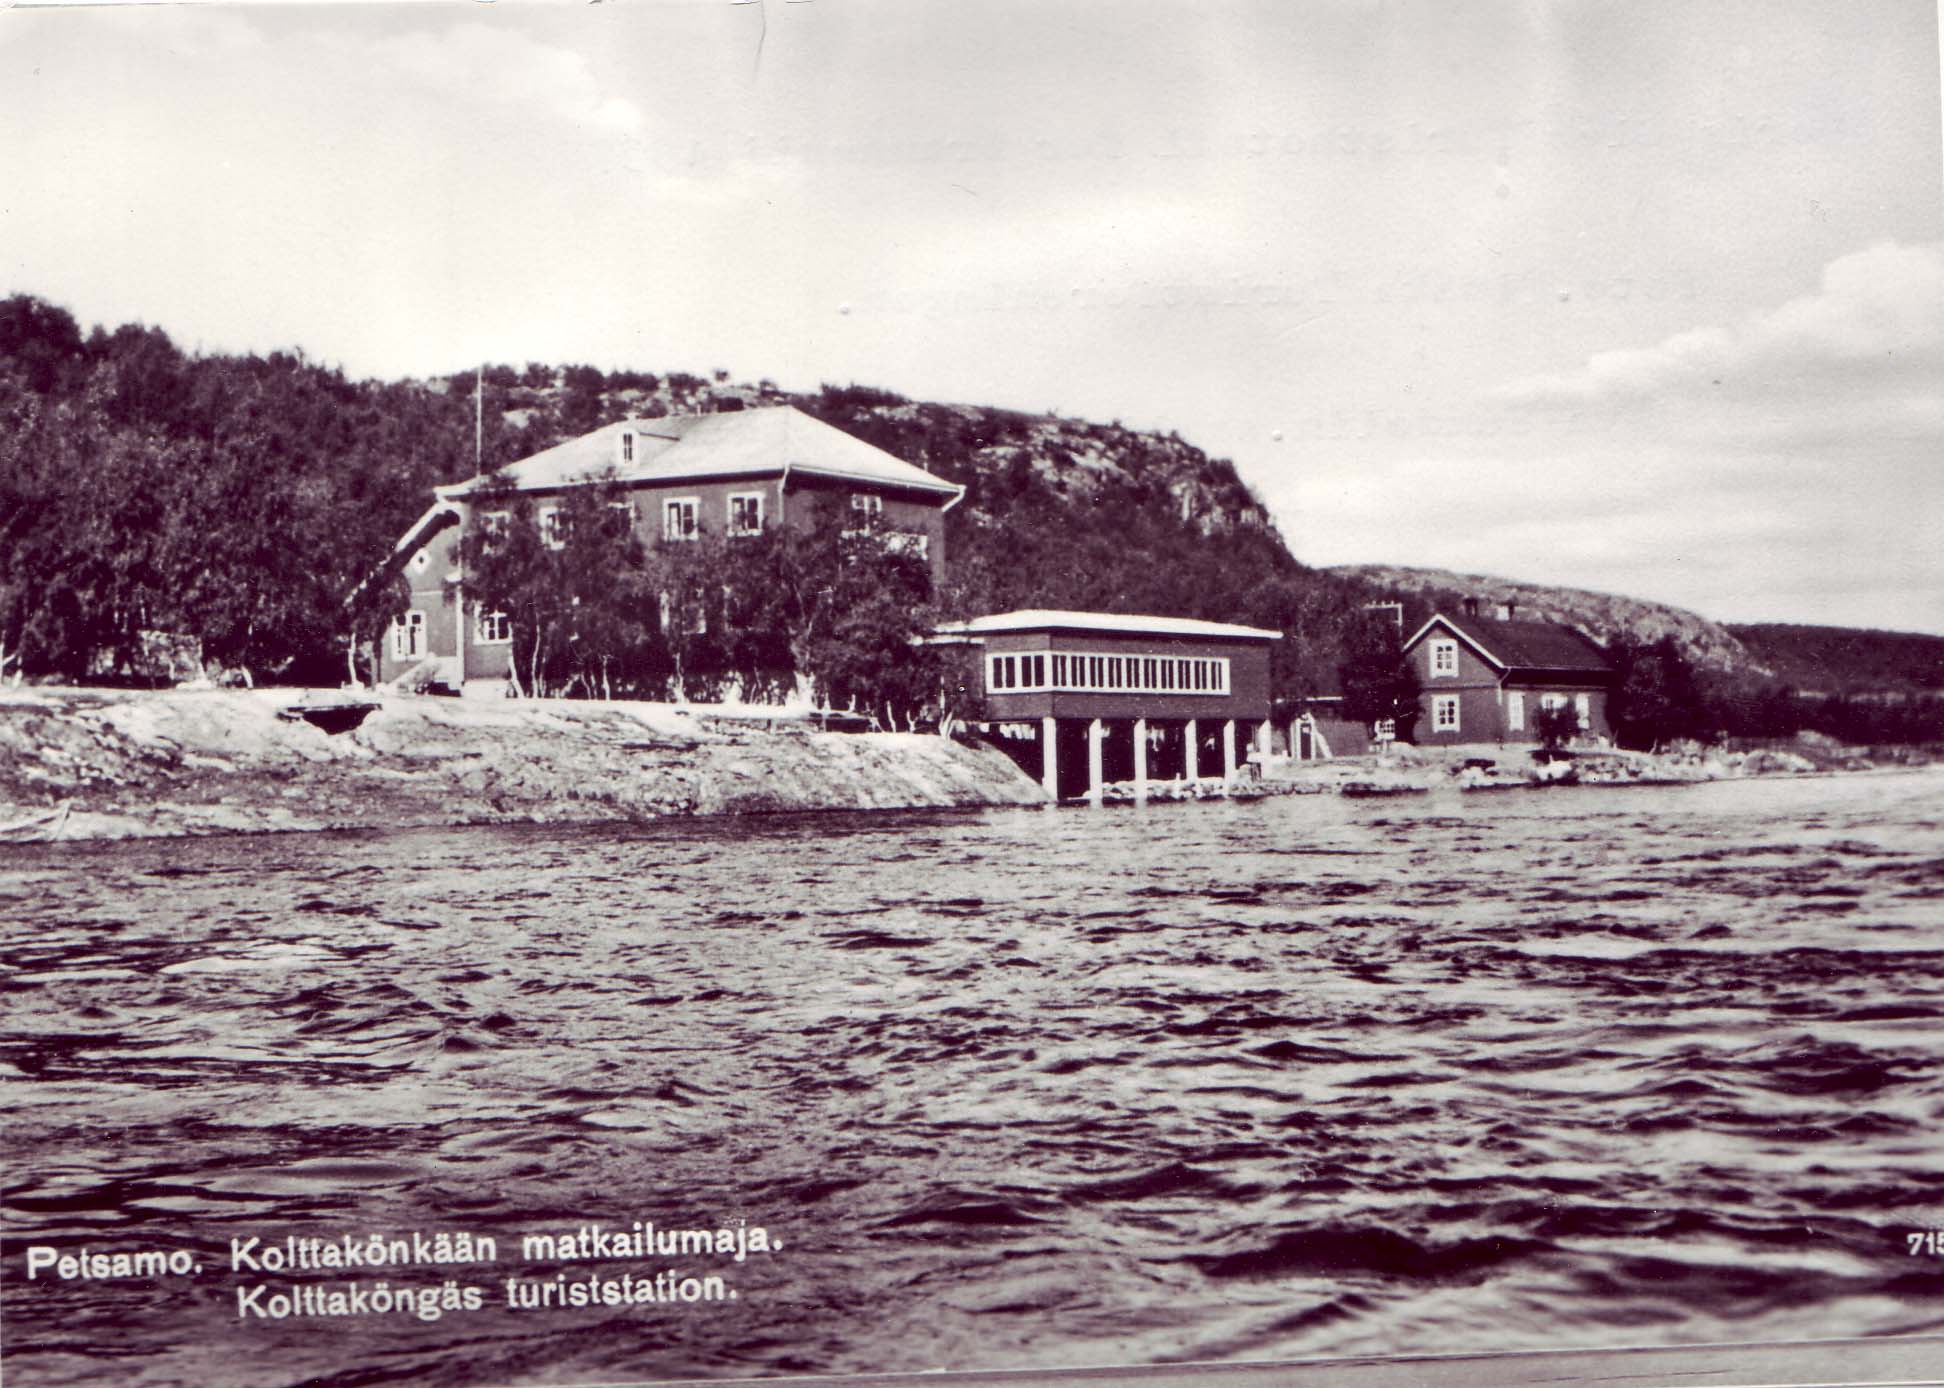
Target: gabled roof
x=741 y=443
x=1515 y=645
x=1047 y=619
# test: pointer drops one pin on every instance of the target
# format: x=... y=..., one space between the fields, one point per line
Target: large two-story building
x=734 y=474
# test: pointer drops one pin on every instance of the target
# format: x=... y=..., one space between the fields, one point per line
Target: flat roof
x=1049 y=619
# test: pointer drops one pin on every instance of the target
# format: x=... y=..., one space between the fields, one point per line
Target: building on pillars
x=1082 y=699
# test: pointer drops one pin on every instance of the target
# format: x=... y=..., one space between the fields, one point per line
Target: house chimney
x=1471 y=607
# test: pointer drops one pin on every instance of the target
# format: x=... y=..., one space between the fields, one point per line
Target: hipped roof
x=683 y=448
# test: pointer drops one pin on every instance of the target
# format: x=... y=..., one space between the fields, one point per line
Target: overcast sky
x=1643 y=297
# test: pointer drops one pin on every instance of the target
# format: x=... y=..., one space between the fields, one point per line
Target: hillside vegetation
x=1844 y=660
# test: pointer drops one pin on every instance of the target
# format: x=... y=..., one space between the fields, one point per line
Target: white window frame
x=870 y=503
x=421 y=561
x=553 y=527
x=729 y=515
x=1444 y=659
x=627 y=445
x=909 y=542
x=495 y=523
x=408 y=636
x=689 y=506
x=491 y=628
x=1515 y=719
x=1441 y=704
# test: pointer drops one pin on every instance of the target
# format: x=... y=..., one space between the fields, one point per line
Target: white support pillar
x=1228 y=751
x=1295 y=738
x=1265 y=742
x=1191 y=752
x=1096 y=735
x=1140 y=759
x=1050 y=757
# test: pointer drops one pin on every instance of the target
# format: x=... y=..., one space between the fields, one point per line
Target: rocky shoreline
x=105 y=764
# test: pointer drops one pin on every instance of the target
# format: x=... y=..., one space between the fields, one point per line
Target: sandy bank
x=128 y=764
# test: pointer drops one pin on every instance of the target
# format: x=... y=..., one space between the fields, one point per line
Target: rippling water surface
x=1291 y=1077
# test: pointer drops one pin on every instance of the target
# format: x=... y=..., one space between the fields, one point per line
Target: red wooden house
x=1484 y=679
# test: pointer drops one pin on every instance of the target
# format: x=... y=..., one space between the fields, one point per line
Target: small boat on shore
x=1372 y=789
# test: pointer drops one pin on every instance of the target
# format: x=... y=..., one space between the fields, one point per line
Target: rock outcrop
x=218 y=761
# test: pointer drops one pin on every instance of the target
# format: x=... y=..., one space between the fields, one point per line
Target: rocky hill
x=1058 y=512
x=1810 y=659
x=1603 y=616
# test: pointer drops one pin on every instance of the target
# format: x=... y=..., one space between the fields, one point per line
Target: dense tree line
x=236 y=499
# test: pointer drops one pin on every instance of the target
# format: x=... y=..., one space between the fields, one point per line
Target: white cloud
x=477 y=62
x=1875 y=325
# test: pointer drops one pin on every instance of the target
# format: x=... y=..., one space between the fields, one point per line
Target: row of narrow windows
x=682 y=516
x=1133 y=674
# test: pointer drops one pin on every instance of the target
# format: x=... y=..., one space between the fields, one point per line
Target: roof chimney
x=1471 y=607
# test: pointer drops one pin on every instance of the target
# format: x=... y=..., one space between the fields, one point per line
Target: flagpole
x=479 y=420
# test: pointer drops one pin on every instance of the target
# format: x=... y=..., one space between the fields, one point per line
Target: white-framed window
x=908 y=542
x=1514 y=711
x=682 y=518
x=745 y=513
x=491 y=628
x=627 y=445
x=867 y=503
x=1109 y=673
x=1444 y=713
x=1444 y=657
x=553 y=527
x=495 y=523
x=421 y=561
x=408 y=636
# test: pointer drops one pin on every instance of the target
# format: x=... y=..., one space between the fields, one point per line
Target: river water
x=1207 y=1081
